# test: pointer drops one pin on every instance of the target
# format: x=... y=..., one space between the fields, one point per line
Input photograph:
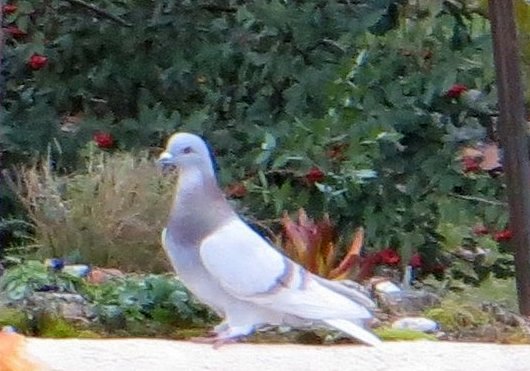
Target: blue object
x=55 y=263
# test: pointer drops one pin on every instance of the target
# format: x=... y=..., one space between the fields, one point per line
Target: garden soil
x=161 y=355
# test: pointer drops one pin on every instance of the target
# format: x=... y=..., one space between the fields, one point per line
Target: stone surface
x=406 y=302
x=421 y=324
x=71 y=307
x=161 y=355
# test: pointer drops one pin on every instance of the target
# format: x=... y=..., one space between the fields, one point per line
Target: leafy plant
x=345 y=108
x=390 y=334
x=313 y=245
x=161 y=299
x=23 y=279
x=453 y=316
x=118 y=303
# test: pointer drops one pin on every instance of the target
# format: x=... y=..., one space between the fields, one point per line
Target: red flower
x=456 y=91
x=236 y=190
x=9 y=8
x=415 y=261
x=37 y=61
x=504 y=235
x=315 y=175
x=470 y=165
x=480 y=230
x=103 y=140
x=15 y=32
x=389 y=256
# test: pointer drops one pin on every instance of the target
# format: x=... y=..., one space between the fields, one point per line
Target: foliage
x=210 y=66
x=356 y=90
x=390 y=334
x=110 y=214
x=313 y=245
x=453 y=316
x=500 y=291
x=54 y=327
x=121 y=303
x=22 y=280
x=161 y=299
x=15 y=318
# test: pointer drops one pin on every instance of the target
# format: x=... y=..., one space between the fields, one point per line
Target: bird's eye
x=187 y=150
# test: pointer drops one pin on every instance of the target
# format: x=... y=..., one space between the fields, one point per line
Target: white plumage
x=235 y=271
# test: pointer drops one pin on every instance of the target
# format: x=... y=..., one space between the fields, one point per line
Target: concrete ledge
x=161 y=355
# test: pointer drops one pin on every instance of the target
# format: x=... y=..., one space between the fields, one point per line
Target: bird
x=232 y=269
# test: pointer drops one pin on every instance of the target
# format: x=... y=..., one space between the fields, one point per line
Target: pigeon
x=229 y=267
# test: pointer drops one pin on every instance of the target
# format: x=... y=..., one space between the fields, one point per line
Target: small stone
x=421 y=324
x=101 y=275
x=387 y=287
x=77 y=270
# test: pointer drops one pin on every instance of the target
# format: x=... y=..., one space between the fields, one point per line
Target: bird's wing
x=250 y=269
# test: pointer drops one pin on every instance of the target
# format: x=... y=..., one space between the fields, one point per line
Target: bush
x=111 y=214
x=333 y=106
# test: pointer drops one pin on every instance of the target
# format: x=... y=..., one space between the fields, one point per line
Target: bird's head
x=185 y=150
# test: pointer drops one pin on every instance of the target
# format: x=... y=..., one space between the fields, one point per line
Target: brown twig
x=100 y=12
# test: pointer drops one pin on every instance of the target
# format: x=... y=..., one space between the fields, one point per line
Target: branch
x=478 y=199
x=100 y=12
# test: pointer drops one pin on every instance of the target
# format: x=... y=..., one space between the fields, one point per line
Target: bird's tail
x=354 y=330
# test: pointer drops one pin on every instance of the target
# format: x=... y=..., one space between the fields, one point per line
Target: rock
x=394 y=300
x=421 y=324
x=505 y=316
x=71 y=307
x=101 y=275
x=76 y=270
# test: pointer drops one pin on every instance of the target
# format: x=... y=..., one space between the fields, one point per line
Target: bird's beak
x=166 y=161
x=165 y=158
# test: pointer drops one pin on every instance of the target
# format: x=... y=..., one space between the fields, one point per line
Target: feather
x=354 y=330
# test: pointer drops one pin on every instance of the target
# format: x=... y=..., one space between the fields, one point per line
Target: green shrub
x=355 y=89
x=455 y=316
x=15 y=318
x=141 y=304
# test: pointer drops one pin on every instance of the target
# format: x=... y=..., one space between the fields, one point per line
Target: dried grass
x=111 y=214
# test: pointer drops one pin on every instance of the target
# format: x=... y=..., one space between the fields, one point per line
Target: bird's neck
x=199 y=206
x=193 y=183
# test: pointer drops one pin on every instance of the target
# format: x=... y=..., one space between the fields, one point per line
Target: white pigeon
x=232 y=269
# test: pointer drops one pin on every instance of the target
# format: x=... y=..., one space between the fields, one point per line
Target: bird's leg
x=229 y=335
x=223 y=326
x=211 y=333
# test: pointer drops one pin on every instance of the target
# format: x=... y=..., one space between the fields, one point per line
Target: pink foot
x=217 y=342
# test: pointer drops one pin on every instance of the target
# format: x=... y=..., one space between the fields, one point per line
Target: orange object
x=13 y=355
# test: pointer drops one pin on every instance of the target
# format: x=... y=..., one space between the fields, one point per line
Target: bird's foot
x=230 y=335
x=216 y=341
